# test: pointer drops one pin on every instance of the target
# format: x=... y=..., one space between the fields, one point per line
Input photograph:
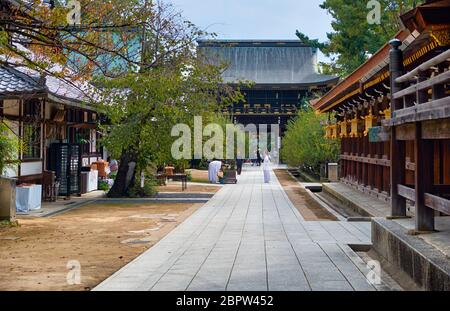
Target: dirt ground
x=102 y=238
x=308 y=208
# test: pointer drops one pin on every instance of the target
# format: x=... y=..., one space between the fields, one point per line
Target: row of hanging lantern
x=358 y=126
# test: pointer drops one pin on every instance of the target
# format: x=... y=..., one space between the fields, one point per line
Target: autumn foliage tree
x=171 y=86
x=41 y=35
x=141 y=55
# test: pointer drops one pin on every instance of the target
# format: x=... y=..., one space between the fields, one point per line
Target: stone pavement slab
x=249 y=236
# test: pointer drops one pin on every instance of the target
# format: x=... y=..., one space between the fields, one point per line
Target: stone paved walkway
x=249 y=236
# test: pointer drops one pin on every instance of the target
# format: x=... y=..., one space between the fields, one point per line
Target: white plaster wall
x=11 y=107
x=31 y=168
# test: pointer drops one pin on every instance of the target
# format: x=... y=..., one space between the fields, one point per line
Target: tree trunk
x=125 y=175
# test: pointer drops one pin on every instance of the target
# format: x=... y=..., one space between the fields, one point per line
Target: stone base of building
x=356 y=200
x=426 y=265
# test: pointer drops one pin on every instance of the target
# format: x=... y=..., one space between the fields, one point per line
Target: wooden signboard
x=379 y=134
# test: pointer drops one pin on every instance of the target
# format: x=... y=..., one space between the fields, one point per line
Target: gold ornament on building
x=343 y=125
x=441 y=34
x=334 y=131
x=354 y=127
x=369 y=121
x=386 y=113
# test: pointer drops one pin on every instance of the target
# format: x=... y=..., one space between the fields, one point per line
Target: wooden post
x=438 y=89
x=397 y=176
x=424 y=174
x=424 y=152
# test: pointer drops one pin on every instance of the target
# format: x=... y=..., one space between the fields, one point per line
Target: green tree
x=172 y=86
x=304 y=143
x=9 y=147
x=354 y=39
x=143 y=107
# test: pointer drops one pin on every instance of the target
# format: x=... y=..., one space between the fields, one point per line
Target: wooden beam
x=406 y=131
x=373 y=160
x=437 y=203
x=435 y=109
x=407 y=192
x=436 y=129
x=426 y=84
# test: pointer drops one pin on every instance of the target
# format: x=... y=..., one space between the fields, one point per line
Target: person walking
x=258 y=158
x=239 y=162
x=266 y=167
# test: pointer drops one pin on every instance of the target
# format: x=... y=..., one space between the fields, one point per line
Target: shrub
x=189 y=176
x=304 y=143
x=9 y=147
x=149 y=189
x=103 y=185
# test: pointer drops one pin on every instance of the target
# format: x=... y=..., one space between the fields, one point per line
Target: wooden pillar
x=424 y=174
x=397 y=173
x=424 y=152
x=438 y=89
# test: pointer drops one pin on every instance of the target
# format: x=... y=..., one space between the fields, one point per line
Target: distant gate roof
x=266 y=62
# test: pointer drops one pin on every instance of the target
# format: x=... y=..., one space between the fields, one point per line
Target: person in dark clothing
x=258 y=158
x=239 y=162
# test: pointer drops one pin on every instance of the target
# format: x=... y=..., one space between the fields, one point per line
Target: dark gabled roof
x=268 y=62
x=13 y=82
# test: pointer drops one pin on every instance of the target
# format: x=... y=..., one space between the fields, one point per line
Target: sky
x=258 y=19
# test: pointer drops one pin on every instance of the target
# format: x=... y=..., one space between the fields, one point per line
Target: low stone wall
x=426 y=265
x=345 y=201
x=7 y=199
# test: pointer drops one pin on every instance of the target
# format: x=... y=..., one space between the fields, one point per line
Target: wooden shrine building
x=392 y=115
x=282 y=76
x=43 y=111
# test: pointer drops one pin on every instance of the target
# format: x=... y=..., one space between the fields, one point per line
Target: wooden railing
x=413 y=103
x=432 y=201
x=410 y=166
x=420 y=106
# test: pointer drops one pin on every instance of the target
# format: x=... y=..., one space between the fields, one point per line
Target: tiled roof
x=265 y=62
x=13 y=82
x=22 y=80
x=59 y=89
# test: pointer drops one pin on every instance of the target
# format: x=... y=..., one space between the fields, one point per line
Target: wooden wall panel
x=437 y=179
x=446 y=161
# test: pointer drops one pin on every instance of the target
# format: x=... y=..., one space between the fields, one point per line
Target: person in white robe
x=266 y=167
x=213 y=171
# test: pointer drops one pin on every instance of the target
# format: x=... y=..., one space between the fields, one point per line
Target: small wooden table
x=180 y=177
